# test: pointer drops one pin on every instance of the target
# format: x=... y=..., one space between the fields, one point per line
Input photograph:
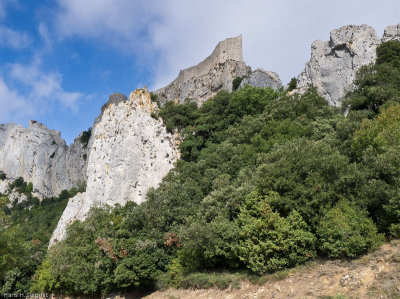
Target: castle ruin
x=213 y=74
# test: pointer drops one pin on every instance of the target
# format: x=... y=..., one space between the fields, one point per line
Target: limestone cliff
x=334 y=63
x=129 y=152
x=40 y=156
x=391 y=33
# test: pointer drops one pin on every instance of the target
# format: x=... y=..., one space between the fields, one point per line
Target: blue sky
x=60 y=59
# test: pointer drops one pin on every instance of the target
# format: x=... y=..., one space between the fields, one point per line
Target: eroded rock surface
x=262 y=78
x=334 y=63
x=391 y=33
x=40 y=156
x=129 y=152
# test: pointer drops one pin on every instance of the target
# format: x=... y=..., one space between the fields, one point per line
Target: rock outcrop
x=129 y=152
x=391 y=33
x=334 y=63
x=215 y=73
x=262 y=78
x=41 y=156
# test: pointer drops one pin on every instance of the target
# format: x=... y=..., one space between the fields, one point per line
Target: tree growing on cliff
x=377 y=84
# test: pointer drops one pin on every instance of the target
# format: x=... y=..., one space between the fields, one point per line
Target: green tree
x=380 y=133
x=389 y=52
x=310 y=176
x=346 y=231
x=236 y=83
x=269 y=242
x=377 y=84
x=292 y=84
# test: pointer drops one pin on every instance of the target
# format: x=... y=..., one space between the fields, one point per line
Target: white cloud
x=111 y=20
x=43 y=86
x=276 y=34
x=46 y=38
x=28 y=91
x=14 y=106
x=13 y=39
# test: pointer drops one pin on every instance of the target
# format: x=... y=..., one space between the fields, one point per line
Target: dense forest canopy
x=267 y=180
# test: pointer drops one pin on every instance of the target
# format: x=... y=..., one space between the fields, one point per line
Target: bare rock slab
x=129 y=152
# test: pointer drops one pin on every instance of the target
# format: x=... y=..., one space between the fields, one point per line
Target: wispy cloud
x=177 y=34
x=113 y=20
x=13 y=39
x=14 y=105
x=29 y=91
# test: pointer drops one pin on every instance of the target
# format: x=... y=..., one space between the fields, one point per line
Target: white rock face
x=40 y=156
x=262 y=78
x=206 y=79
x=391 y=33
x=13 y=195
x=333 y=64
x=129 y=152
x=4 y=186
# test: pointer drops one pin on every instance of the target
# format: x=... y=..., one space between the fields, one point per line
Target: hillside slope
x=376 y=275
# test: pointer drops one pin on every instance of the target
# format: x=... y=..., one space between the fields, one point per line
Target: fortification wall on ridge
x=229 y=49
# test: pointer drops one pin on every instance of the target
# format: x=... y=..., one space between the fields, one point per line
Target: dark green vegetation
x=236 y=83
x=292 y=84
x=267 y=181
x=85 y=137
x=25 y=231
x=377 y=84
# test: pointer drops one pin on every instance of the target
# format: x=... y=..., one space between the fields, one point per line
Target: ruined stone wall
x=213 y=74
x=229 y=49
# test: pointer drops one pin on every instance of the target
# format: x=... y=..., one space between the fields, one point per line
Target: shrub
x=389 y=52
x=154 y=115
x=381 y=133
x=29 y=188
x=269 y=242
x=308 y=175
x=292 y=84
x=377 y=84
x=153 y=97
x=236 y=83
x=346 y=231
x=178 y=115
x=209 y=245
x=85 y=137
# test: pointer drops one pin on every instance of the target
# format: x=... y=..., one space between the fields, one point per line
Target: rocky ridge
x=41 y=156
x=215 y=73
x=129 y=146
x=129 y=152
x=334 y=63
